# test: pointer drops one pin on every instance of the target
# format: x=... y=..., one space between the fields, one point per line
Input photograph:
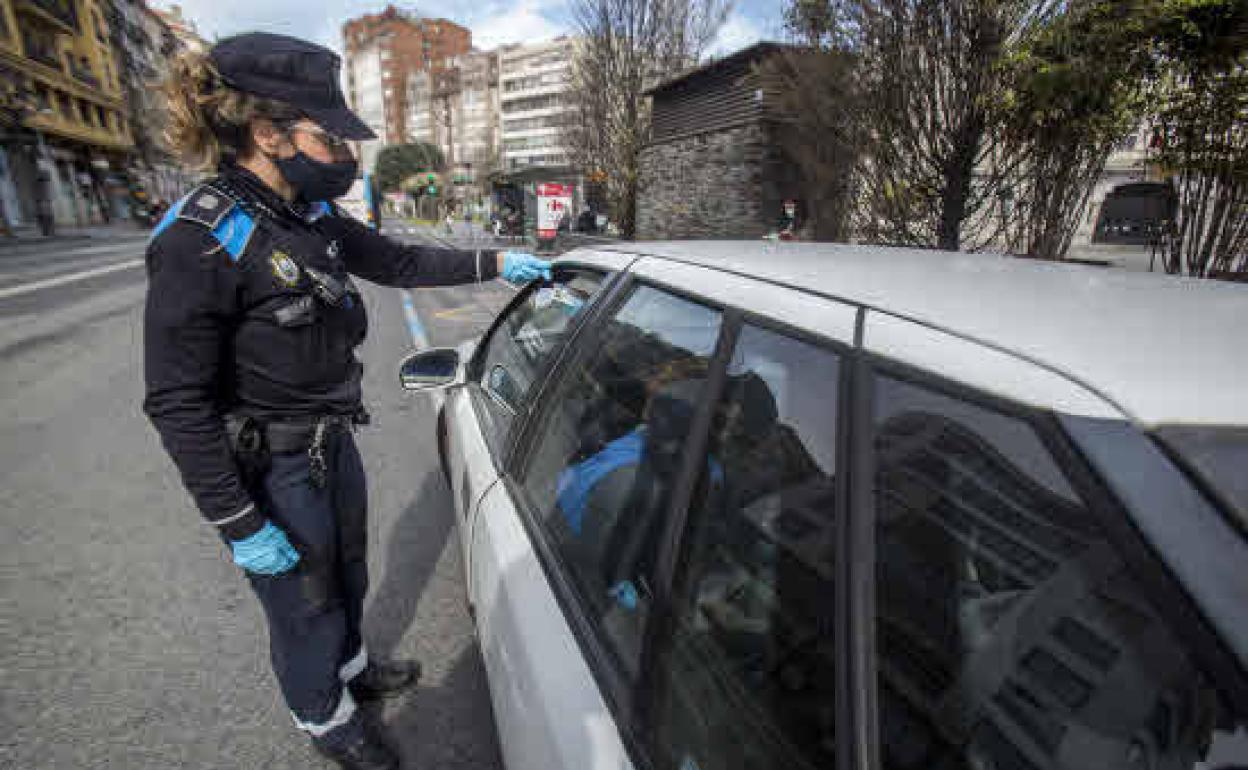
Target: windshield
x=1219 y=456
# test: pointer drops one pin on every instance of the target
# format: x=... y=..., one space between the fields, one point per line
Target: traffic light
x=431 y=178
x=432 y=189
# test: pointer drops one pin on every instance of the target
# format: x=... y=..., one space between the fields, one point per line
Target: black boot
x=354 y=749
x=380 y=680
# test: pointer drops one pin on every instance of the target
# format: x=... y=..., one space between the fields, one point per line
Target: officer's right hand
x=522 y=267
x=268 y=552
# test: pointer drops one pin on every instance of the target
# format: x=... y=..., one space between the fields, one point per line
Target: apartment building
x=456 y=108
x=533 y=103
x=384 y=51
x=146 y=45
x=64 y=130
x=182 y=28
x=367 y=94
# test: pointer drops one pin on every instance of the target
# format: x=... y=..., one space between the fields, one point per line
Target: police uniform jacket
x=235 y=322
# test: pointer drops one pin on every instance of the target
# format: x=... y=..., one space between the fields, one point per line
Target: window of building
x=600 y=475
x=64 y=105
x=524 y=104
x=101 y=116
x=748 y=674
x=40 y=45
x=1011 y=631
x=42 y=100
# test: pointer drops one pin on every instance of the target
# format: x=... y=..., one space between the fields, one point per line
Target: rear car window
x=1011 y=632
x=1219 y=455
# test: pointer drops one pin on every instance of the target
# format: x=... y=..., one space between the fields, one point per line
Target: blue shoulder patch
x=169 y=218
x=231 y=226
x=234 y=232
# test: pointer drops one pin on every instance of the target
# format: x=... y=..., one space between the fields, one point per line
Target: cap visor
x=342 y=122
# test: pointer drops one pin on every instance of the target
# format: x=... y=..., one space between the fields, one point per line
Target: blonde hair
x=208 y=120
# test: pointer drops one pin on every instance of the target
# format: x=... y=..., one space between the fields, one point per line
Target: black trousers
x=314 y=611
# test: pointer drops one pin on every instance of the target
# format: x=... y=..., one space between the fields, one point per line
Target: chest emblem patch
x=284 y=268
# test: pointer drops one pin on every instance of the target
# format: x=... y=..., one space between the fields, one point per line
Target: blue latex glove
x=520 y=267
x=267 y=552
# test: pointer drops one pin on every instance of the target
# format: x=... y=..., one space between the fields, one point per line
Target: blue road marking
x=414 y=326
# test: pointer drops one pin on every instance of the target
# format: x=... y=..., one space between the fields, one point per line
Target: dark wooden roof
x=737 y=60
x=715 y=96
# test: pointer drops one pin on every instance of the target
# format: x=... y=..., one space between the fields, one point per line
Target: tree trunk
x=958 y=177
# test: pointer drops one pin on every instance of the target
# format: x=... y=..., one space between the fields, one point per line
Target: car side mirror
x=430 y=369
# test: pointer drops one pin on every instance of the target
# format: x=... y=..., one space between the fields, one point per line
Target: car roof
x=1164 y=349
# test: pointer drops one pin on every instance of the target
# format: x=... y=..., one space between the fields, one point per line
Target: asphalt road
x=127 y=638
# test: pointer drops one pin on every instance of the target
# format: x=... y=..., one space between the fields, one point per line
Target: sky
x=493 y=22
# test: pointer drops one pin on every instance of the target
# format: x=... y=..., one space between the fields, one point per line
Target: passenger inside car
x=613 y=502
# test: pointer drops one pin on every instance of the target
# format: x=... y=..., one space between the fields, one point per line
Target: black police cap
x=293 y=71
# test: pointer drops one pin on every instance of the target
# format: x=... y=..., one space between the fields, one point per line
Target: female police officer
x=252 y=381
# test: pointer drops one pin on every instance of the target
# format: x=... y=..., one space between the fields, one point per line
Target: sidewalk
x=28 y=235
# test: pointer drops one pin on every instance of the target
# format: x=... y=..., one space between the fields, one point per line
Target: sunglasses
x=329 y=141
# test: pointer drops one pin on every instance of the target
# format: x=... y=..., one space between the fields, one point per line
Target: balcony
x=42 y=49
x=59 y=13
x=83 y=73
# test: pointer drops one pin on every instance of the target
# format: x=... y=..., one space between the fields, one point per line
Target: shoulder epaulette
x=208 y=207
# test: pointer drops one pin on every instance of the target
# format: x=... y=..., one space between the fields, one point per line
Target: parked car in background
x=756 y=506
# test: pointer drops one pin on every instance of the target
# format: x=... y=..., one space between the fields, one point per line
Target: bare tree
x=1201 y=114
x=931 y=68
x=625 y=47
x=1075 y=78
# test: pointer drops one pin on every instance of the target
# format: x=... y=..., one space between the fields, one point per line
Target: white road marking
x=48 y=283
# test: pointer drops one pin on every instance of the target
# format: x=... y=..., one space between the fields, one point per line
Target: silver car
x=754 y=506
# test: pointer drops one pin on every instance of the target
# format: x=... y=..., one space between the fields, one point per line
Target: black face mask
x=315 y=181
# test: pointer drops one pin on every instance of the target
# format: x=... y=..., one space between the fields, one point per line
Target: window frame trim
x=1110 y=514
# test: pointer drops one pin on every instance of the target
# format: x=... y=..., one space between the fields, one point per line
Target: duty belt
x=298 y=434
x=250 y=436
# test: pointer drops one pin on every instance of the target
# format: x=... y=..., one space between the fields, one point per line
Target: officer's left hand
x=522 y=267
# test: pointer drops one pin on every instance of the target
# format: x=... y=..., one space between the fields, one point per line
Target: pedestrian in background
x=251 y=326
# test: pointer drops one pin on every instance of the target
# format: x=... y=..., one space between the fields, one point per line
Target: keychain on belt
x=316 y=454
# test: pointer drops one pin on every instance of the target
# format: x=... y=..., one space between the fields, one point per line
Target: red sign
x=554 y=204
x=553 y=189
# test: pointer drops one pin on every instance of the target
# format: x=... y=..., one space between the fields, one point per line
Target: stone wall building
x=713 y=167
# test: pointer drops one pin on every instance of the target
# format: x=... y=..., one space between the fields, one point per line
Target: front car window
x=601 y=471
x=1010 y=631
x=526 y=339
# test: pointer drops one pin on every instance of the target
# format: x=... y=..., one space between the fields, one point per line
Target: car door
x=504 y=370
x=561 y=576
